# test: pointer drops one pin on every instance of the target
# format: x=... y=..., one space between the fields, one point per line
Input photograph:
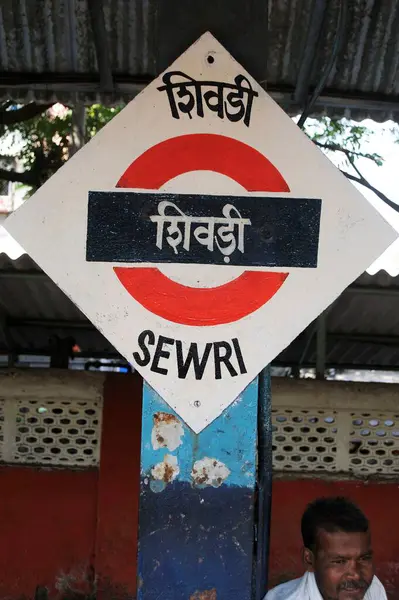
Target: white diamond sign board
x=201 y=231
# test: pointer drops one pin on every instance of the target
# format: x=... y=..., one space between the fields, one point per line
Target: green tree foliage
x=42 y=144
x=343 y=136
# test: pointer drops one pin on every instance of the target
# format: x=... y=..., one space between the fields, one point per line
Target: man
x=337 y=554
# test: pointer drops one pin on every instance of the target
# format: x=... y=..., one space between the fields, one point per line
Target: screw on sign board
x=201 y=231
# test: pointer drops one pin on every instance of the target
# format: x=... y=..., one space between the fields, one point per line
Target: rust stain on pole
x=205 y=595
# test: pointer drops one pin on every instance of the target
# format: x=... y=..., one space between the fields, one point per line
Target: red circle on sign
x=201 y=306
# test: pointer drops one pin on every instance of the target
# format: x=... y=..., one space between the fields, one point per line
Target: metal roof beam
x=130 y=87
x=373 y=290
x=95 y=354
x=96 y=11
x=338 y=366
x=50 y=324
x=365 y=338
x=27 y=275
x=312 y=41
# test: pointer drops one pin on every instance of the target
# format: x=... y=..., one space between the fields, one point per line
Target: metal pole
x=264 y=483
x=321 y=346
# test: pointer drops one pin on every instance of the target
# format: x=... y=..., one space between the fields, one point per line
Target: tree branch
x=359 y=179
x=368 y=185
x=337 y=148
x=27 y=177
x=29 y=111
x=352 y=162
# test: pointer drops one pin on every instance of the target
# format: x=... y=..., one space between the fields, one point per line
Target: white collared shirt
x=306 y=588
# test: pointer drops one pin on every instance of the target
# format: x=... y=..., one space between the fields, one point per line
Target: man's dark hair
x=331 y=515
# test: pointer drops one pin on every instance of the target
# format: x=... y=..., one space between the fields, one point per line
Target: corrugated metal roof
x=28 y=300
x=48 y=52
x=367 y=62
x=362 y=328
x=362 y=325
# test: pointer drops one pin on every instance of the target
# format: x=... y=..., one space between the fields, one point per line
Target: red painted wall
x=380 y=502
x=47 y=529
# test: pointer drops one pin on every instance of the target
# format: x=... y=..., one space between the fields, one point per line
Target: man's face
x=343 y=565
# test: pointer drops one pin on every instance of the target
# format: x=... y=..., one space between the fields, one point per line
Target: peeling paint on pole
x=164 y=472
x=196 y=530
x=209 y=471
x=205 y=595
x=167 y=431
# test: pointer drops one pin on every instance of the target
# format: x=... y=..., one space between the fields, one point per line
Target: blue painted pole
x=197 y=503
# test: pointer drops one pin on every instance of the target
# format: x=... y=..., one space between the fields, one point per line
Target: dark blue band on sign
x=248 y=231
